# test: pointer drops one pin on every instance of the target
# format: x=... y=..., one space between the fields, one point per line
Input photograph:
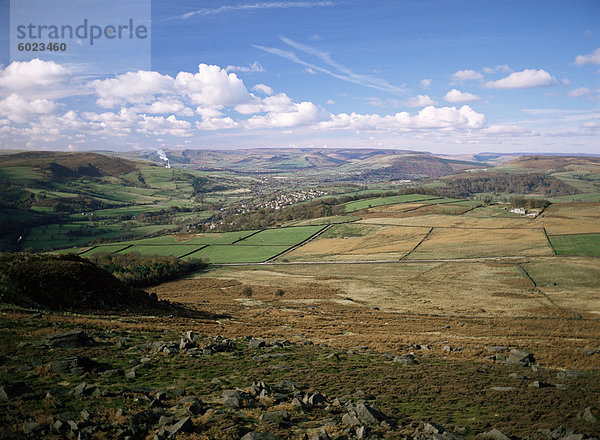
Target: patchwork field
x=576 y=244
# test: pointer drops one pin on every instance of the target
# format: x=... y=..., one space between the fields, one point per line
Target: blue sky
x=442 y=76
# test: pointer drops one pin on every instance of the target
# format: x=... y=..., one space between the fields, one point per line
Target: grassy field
x=178 y=250
x=238 y=254
x=207 y=238
x=283 y=236
x=367 y=203
x=576 y=244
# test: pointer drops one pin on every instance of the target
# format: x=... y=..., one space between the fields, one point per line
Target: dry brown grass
x=379 y=243
x=472 y=243
x=572 y=218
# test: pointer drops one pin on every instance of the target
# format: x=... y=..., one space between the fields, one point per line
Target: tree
x=247 y=292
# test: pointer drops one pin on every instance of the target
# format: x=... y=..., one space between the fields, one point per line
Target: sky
x=444 y=76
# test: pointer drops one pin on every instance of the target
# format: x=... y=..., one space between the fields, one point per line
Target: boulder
x=73 y=364
x=368 y=415
x=406 y=359
x=590 y=414
x=274 y=416
x=70 y=339
x=520 y=357
x=258 y=436
x=183 y=425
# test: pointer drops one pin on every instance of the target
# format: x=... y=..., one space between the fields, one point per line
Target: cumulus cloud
x=419 y=101
x=465 y=75
x=591 y=58
x=18 y=76
x=165 y=105
x=212 y=86
x=455 y=96
x=132 y=87
x=500 y=68
x=216 y=124
x=18 y=109
x=160 y=126
x=426 y=83
x=428 y=118
x=527 y=78
x=263 y=88
x=508 y=131
x=581 y=91
x=297 y=114
x=254 y=67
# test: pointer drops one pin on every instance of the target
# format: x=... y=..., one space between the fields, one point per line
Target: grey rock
x=256 y=343
x=495 y=434
x=570 y=374
x=361 y=433
x=15 y=390
x=183 y=425
x=406 y=359
x=70 y=339
x=368 y=415
x=166 y=420
x=540 y=384
x=287 y=386
x=83 y=389
x=274 y=416
x=350 y=420
x=76 y=364
x=32 y=428
x=298 y=404
x=520 y=357
x=114 y=373
x=320 y=434
x=258 y=436
x=496 y=348
x=590 y=414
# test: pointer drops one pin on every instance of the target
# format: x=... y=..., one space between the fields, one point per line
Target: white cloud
x=209 y=112
x=419 y=101
x=254 y=67
x=581 y=91
x=591 y=58
x=521 y=80
x=216 y=124
x=165 y=106
x=254 y=6
x=263 y=88
x=18 y=76
x=212 y=86
x=20 y=110
x=500 y=68
x=339 y=71
x=330 y=102
x=428 y=118
x=455 y=96
x=465 y=75
x=508 y=130
x=160 y=126
x=276 y=103
x=426 y=83
x=132 y=87
x=303 y=113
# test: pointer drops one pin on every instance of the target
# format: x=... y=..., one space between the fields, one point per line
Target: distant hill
x=556 y=163
x=57 y=165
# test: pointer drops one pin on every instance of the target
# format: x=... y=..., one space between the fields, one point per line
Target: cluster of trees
x=498 y=182
x=522 y=202
x=145 y=270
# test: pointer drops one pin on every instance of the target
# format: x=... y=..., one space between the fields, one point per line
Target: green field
x=238 y=254
x=207 y=238
x=103 y=249
x=177 y=250
x=379 y=201
x=283 y=236
x=576 y=244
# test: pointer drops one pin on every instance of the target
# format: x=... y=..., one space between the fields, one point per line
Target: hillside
x=58 y=165
x=556 y=163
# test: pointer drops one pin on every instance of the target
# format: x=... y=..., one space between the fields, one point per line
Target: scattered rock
x=258 y=436
x=540 y=384
x=32 y=428
x=368 y=415
x=274 y=416
x=320 y=434
x=73 y=364
x=570 y=374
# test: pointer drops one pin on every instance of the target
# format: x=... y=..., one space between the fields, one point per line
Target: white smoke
x=162 y=155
